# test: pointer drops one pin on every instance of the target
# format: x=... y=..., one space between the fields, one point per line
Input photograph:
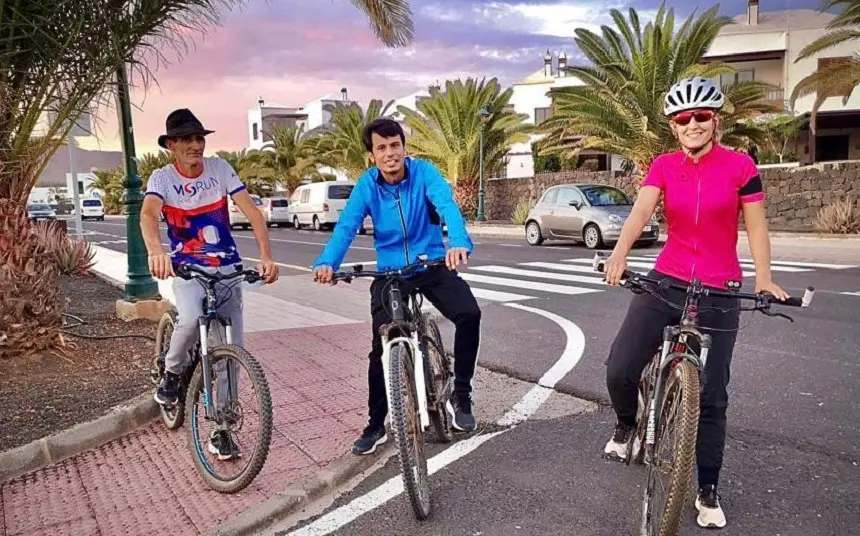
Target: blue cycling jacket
x=405 y=218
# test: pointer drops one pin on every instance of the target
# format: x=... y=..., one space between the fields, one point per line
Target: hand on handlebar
x=160 y=265
x=771 y=288
x=456 y=256
x=614 y=269
x=323 y=275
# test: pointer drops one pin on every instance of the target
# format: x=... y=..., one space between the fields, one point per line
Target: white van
x=319 y=204
x=92 y=208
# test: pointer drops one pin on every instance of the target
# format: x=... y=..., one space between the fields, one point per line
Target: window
x=306 y=194
x=542 y=114
x=566 y=195
x=550 y=196
x=279 y=202
x=605 y=196
x=38 y=206
x=91 y=203
x=340 y=191
x=256 y=131
x=745 y=75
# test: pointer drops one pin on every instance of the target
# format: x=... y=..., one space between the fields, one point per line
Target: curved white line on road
x=521 y=411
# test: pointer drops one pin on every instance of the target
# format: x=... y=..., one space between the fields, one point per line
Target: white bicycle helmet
x=691 y=94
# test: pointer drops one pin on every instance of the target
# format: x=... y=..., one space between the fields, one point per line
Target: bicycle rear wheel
x=408 y=435
x=231 y=418
x=173 y=415
x=679 y=424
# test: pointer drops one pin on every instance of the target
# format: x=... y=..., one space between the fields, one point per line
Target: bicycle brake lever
x=768 y=312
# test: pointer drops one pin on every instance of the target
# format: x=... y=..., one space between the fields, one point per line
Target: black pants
x=453 y=298
x=640 y=336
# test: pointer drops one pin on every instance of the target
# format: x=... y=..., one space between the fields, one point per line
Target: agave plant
x=446 y=129
x=60 y=57
x=619 y=109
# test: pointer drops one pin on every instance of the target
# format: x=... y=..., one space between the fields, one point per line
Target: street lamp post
x=140 y=285
x=483 y=113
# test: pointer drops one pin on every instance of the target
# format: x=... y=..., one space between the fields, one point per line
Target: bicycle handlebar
x=762 y=299
x=358 y=271
x=190 y=271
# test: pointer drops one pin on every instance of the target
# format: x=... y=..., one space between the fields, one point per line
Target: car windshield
x=605 y=196
x=39 y=206
x=279 y=202
x=92 y=203
x=257 y=200
x=341 y=191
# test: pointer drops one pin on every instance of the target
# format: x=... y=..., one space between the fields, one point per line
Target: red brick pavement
x=145 y=483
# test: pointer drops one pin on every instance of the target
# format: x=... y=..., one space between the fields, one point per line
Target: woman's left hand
x=773 y=288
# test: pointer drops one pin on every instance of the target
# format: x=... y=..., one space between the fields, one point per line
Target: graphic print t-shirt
x=198 y=222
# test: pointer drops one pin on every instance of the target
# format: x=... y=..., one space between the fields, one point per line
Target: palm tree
x=841 y=76
x=59 y=58
x=148 y=163
x=338 y=144
x=446 y=130
x=109 y=181
x=619 y=109
x=290 y=155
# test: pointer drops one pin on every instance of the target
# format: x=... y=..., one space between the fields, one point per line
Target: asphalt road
x=794 y=413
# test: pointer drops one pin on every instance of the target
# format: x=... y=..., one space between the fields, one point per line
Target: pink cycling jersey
x=702 y=201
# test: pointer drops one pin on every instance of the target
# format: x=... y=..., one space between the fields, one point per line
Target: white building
x=763 y=45
x=265 y=116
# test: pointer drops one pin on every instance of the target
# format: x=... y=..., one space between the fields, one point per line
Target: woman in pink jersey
x=704 y=186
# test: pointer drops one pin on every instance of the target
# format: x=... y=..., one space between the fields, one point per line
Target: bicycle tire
x=264 y=435
x=439 y=417
x=684 y=454
x=172 y=416
x=645 y=392
x=413 y=465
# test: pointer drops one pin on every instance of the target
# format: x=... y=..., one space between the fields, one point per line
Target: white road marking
x=561 y=267
x=510 y=245
x=851 y=293
x=797 y=263
x=635 y=264
x=775 y=266
x=351 y=264
x=521 y=411
x=531 y=285
x=495 y=295
x=534 y=273
x=293 y=266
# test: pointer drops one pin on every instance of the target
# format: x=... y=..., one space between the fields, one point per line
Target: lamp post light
x=483 y=114
x=140 y=285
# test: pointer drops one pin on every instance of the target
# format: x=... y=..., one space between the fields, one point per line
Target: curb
x=285 y=503
x=47 y=451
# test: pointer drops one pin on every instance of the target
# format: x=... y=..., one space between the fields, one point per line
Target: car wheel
x=592 y=237
x=533 y=235
x=317 y=226
x=296 y=223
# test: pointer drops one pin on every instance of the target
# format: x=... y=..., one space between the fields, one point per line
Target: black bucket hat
x=181 y=123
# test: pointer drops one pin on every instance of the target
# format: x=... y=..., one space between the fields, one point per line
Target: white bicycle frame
x=418 y=373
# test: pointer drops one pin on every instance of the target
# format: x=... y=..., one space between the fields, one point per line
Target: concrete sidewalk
x=145 y=483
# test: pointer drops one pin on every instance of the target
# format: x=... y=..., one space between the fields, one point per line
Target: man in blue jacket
x=405 y=196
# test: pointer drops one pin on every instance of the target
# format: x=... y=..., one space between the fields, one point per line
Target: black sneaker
x=168 y=392
x=222 y=444
x=711 y=514
x=460 y=409
x=369 y=440
x=616 y=448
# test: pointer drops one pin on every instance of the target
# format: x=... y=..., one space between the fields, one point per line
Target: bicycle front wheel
x=228 y=456
x=671 y=469
x=408 y=435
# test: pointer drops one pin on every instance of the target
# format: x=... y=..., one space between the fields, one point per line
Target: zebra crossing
x=531 y=280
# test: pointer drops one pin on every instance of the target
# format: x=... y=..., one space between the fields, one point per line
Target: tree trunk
x=466 y=195
x=30 y=307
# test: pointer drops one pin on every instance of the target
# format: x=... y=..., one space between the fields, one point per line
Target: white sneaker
x=616 y=448
x=711 y=514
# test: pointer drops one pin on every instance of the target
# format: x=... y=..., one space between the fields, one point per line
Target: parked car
x=275 y=210
x=237 y=217
x=40 y=211
x=589 y=213
x=319 y=204
x=92 y=208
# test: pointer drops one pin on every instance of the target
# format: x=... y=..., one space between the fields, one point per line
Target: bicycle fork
x=206 y=362
x=418 y=372
x=667 y=355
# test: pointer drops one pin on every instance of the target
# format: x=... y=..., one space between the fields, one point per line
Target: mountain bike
x=672 y=382
x=214 y=348
x=412 y=353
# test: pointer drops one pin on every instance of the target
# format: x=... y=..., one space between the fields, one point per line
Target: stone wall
x=794 y=195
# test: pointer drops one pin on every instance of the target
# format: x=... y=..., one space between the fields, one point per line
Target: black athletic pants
x=640 y=336
x=453 y=298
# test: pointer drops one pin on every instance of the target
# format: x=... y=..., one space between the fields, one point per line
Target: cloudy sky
x=293 y=51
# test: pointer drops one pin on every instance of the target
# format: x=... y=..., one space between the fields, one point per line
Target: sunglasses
x=701 y=116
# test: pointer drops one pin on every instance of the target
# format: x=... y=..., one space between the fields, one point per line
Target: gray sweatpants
x=190 y=295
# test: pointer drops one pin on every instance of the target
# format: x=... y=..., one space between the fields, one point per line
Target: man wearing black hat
x=192 y=194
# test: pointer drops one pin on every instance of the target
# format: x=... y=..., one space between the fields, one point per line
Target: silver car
x=591 y=213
